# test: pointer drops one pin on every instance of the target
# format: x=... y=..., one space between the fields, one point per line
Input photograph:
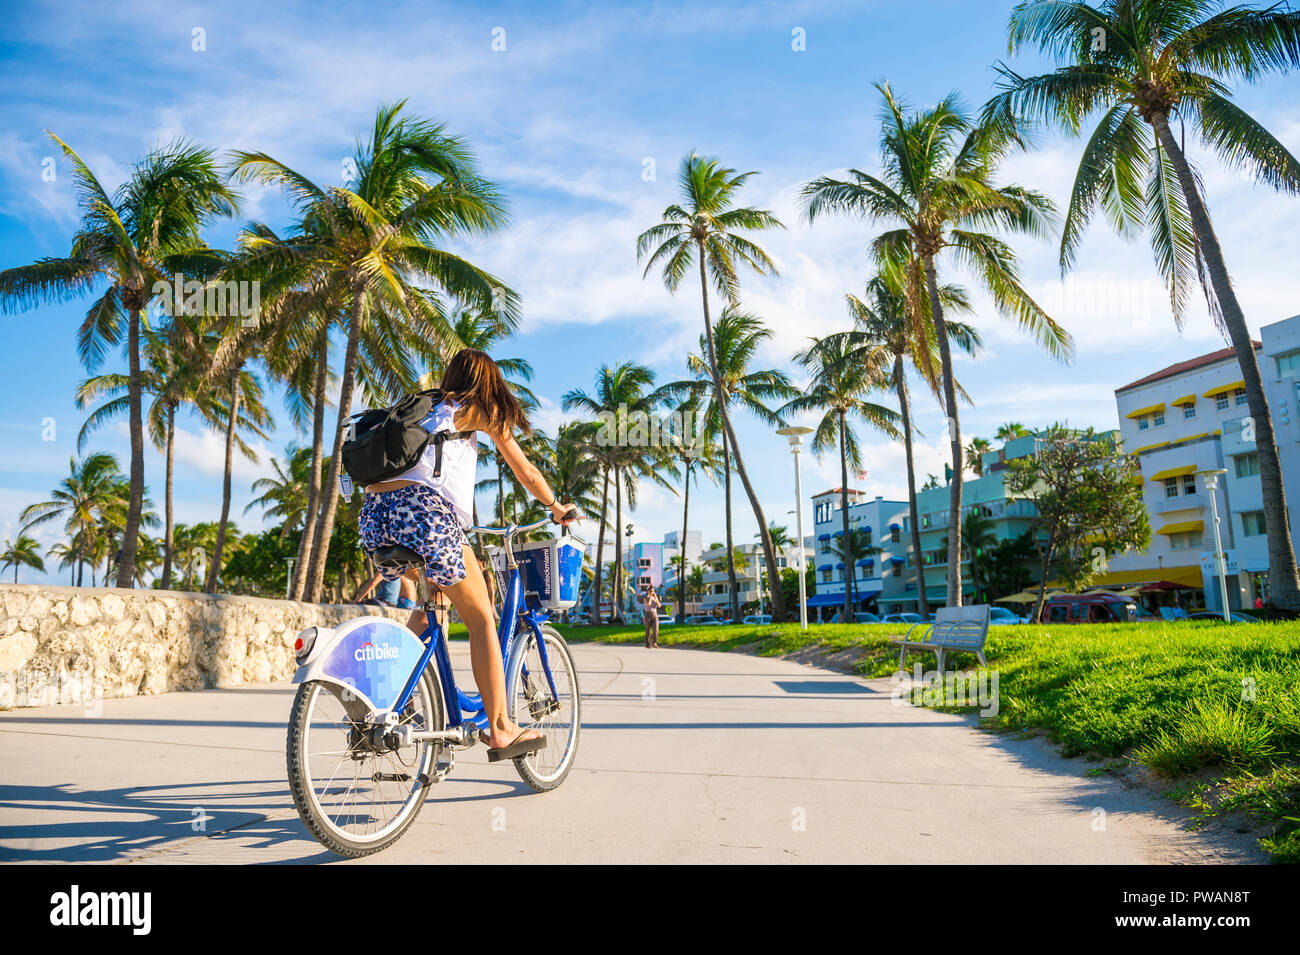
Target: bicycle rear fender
x=371 y=656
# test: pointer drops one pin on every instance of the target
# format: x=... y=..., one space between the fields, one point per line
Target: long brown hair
x=473 y=379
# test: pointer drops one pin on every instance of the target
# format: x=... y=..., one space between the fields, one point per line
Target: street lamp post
x=288 y=579
x=795 y=436
x=1212 y=484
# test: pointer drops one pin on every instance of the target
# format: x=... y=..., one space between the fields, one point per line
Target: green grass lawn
x=1215 y=709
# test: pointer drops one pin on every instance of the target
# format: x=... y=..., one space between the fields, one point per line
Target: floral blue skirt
x=417 y=517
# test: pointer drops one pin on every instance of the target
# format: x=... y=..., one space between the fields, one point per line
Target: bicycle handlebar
x=511 y=529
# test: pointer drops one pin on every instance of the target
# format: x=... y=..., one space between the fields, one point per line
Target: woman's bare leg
x=470 y=598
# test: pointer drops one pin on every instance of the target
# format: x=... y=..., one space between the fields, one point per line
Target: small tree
x=1089 y=504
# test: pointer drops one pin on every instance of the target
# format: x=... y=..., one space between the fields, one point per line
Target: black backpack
x=383 y=443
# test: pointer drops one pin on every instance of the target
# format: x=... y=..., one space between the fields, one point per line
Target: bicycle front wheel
x=534 y=706
x=354 y=788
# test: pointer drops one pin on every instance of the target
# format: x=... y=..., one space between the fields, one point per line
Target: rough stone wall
x=76 y=645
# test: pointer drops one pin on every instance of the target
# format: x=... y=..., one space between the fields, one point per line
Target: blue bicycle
x=378 y=716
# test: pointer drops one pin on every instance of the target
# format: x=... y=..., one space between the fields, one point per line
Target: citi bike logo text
x=640 y=429
x=368 y=651
x=75 y=907
x=963 y=688
x=219 y=299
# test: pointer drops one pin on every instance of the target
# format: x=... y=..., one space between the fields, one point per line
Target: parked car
x=1004 y=617
x=665 y=618
x=1233 y=616
x=863 y=616
x=757 y=618
x=1098 y=607
x=703 y=620
x=902 y=618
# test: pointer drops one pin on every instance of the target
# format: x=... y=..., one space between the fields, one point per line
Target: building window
x=1143 y=423
x=1171 y=487
x=925 y=521
x=1252 y=523
x=1247 y=465
x=645 y=579
x=1189 y=484
x=1221 y=402
x=1189 y=411
x=1184 y=541
x=1239 y=397
x=826 y=546
x=826 y=575
x=643 y=562
x=1158 y=418
x=895 y=534
x=1289 y=364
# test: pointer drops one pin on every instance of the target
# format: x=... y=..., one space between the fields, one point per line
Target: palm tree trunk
x=731 y=553
x=845 y=552
x=330 y=490
x=131 y=534
x=311 y=515
x=681 y=549
x=169 y=532
x=954 y=436
x=618 y=545
x=600 y=546
x=501 y=491
x=923 y=601
x=214 y=566
x=769 y=552
x=1283 y=580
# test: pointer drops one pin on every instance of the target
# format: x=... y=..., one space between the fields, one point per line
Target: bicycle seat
x=396 y=557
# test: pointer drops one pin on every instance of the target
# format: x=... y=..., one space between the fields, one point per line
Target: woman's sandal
x=515 y=748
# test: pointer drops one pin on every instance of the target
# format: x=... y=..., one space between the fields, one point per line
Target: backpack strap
x=438 y=437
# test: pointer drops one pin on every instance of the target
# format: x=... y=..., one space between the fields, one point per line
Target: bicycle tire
x=303 y=791
x=545 y=770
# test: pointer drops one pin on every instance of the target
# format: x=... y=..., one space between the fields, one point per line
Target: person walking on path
x=650 y=604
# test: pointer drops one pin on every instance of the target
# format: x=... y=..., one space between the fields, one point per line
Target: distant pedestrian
x=650 y=604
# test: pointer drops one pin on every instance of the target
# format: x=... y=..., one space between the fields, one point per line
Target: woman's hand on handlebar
x=565 y=514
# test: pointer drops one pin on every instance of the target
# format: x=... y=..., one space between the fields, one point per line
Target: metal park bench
x=955 y=628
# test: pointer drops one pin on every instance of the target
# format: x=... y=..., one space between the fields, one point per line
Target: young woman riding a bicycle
x=427 y=508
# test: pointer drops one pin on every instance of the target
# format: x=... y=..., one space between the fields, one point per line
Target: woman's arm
x=529 y=476
x=364 y=592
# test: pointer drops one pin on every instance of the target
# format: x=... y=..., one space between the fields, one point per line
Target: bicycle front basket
x=551 y=571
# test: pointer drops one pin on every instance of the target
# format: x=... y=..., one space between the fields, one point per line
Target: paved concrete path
x=731 y=758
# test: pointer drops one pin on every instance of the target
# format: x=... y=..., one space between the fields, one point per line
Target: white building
x=1192 y=417
x=878 y=577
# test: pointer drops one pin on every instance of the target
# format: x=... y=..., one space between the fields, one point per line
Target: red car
x=1090 y=608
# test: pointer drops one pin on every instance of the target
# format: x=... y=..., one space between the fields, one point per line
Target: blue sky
x=565 y=119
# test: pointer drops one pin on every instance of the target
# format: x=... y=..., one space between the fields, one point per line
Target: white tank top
x=459 y=463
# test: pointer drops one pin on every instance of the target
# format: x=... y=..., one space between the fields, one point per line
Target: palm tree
x=417 y=187
x=1010 y=431
x=69 y=556
x=881 y=321
x=783 y=542
x=695 y=581
x=850 y=548
x=975 y=451
x=1163 y=61
x=977 y=537
x=242 y=410
x=137 y=241
x=284 y=497
x=937 y=188
x=82 y=499
x=175 y=378
x=697 y=452
x=737 y=336
x=23 y=552
x=705 y=229
x=623 y=395
x=841 y=378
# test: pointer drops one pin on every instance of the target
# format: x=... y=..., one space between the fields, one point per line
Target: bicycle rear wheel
x=533 y=706
x=355 y=792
